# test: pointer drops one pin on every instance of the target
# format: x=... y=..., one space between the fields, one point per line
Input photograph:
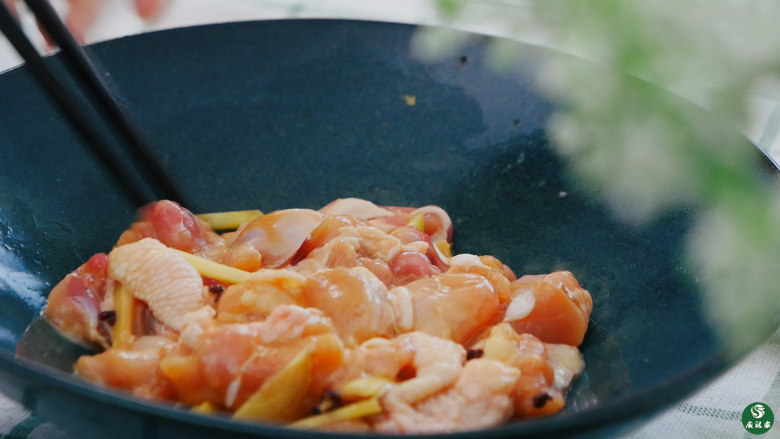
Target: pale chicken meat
x=152 y=272
x=350 y=244
x=229 y=362
x=355 y=207
x=354 y=299
x=419 y=366
x=480 y=397
x=262 y=292
x=135 y=370
x=567 y=364
x=271 y=240
x=176 y=227
x=451 y=305
x=553 y=307
x=74 y=304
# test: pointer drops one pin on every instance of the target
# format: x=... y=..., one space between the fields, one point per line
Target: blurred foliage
x=649 y=151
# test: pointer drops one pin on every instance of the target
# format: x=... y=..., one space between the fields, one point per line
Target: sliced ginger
x=280 y=398
x=124 y=307
x=418 y=221
x=356 y=410
x=365 y=387
x=215 y=270
x=229 y=220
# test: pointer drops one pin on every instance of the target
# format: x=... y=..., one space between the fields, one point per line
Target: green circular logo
x=757 y=418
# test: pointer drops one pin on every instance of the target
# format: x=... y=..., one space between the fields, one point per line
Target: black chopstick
x=68 y=105
x=88 y=77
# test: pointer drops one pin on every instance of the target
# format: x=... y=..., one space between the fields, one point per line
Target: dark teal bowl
x=294 y=114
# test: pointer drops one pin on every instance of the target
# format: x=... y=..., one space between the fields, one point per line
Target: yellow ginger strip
x=215 y=270
x=364 y=387
x=205 y=408
x=444 y=247
x=417 y=221
x=124 y=307
x=280 y=398
x=230 y=220
x=498 y=346
x=356 y=410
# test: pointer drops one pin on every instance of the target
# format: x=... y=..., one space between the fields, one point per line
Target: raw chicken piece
x=355 y=207
x=159 y=276
x=438 y=224
x=430 y=390
x=498 y=274
x=272 y=240
x=410 y=266
x=352 y=246
x=74 y=308
x=536 y=392
x=409 y=235
x=354 y=299
x=481 y=397
x=256 y=298
x=328 y=229
x=567 y=364
x=229 y=362
x=434 y=364
x=374 y=243
x=419 y=365
x=176 y=227
x=135 y=370
x=553 y=307
x=453 y=306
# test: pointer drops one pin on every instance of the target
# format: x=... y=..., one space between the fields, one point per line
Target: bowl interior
x=285 y=114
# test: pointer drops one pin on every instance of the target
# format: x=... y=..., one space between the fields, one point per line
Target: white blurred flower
x=646 y=149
